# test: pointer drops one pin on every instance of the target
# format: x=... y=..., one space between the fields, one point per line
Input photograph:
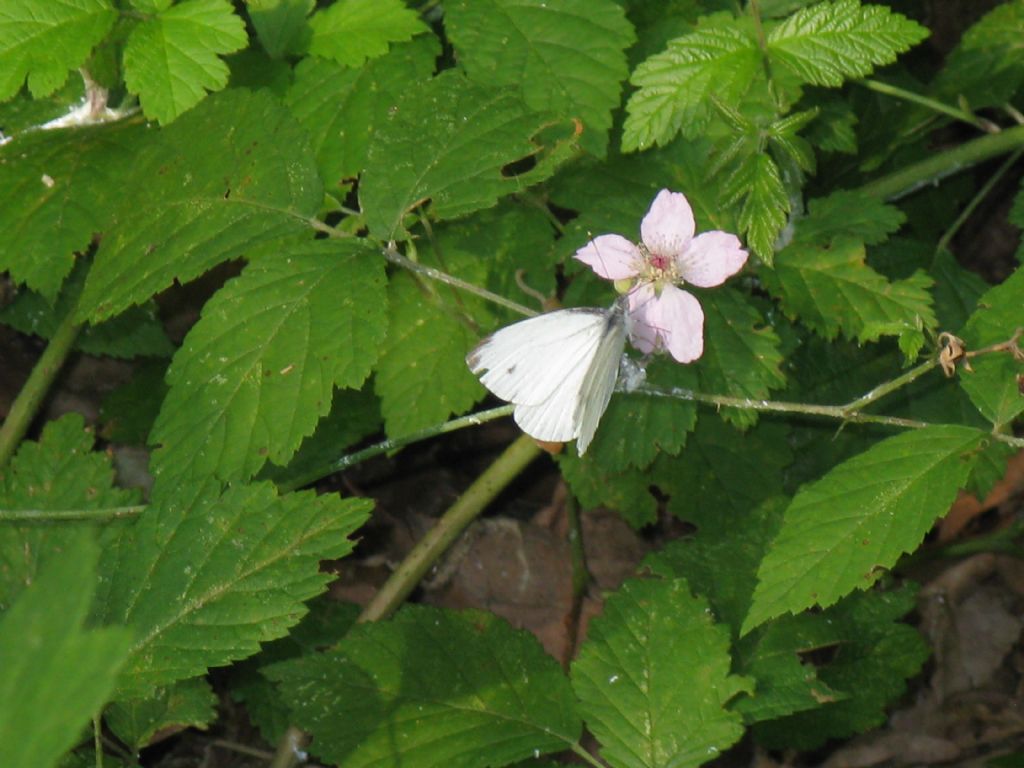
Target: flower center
x=658 y=269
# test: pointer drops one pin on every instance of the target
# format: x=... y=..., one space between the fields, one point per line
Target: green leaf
x=756 y=181
x=989 y=468
x=135 y=332
x=956 y=291
x=785 y=683
x=23 y=112
x=987 y=66
x=234 y=172
x=993 y=385
x=831 y=42
x=850 y=213
x=832 y=290
x=324 y=625
x=448 y=142
x=651 y=635
x=626 y=490
x=515 y=243
x=328 y=99
x=351 y=31
x=834 y=130
x=737 y=537
x=151 y=6
x=871 y=655
x=172 y=59
x=741 y=352
x=723 y=474
x=60 y=472
x=355 y=414
x=281 y=25
x=56 y=191
x=128 y=412
x=422 y=376
x=187 y=704
x=258 y=370
x=676 y=86
x=388 y=690
x=839 y=531
x=636 y=429
x=566 y=58
x=57 y=674
x=42 y=41
x=203 y=583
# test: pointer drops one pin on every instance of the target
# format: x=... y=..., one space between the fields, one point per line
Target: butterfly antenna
x=544 y=301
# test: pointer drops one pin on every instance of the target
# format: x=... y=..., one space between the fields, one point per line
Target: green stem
x=289 y=748
x=580 y=575
x=30 y=398
x=588 y=758
x=386 y=446
x=891 y=386
x=924 y=101
x=22 y=516
x=97 y=739
x=464 y=511
x=1002 y=542
x=945 y=163
x=849 y=413
x=950 y=233
x=436 y=274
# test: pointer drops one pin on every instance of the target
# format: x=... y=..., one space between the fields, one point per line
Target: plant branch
x=891 y=386
x=851 y=412
x=386 y=446
x=932 y=104
x=987 y=187
x=398 y=259
x=23 y=516
x=945 y=163
x=26 y=405
x=448 y=528
x=290 y=749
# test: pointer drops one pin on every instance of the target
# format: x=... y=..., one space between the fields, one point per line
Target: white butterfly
x=558 y=369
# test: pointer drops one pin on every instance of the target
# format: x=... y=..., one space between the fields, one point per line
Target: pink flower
x=660 y=315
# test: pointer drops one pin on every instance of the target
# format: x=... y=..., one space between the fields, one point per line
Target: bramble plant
x=386 y=183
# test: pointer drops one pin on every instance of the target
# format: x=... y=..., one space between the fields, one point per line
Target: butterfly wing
x=531 y=361
x=599 y=382
x=556 y=419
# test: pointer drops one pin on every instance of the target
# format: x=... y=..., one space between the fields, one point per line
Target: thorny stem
x=23 y=516
x=30 y=398
x=1011 y=345
x=891 y=386
x=942 y=164
x=932 y=104
x=386 y=446
x=449 y=527
x=848 y=413
x=397 y=258
x=987 y=187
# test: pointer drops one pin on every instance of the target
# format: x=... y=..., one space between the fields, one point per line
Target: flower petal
x=612 y=257
x=673 y=320
x=643 y=332
x=711 y=258
x=668 y=225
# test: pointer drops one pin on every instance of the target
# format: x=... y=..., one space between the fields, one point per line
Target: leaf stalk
x=26 y=405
